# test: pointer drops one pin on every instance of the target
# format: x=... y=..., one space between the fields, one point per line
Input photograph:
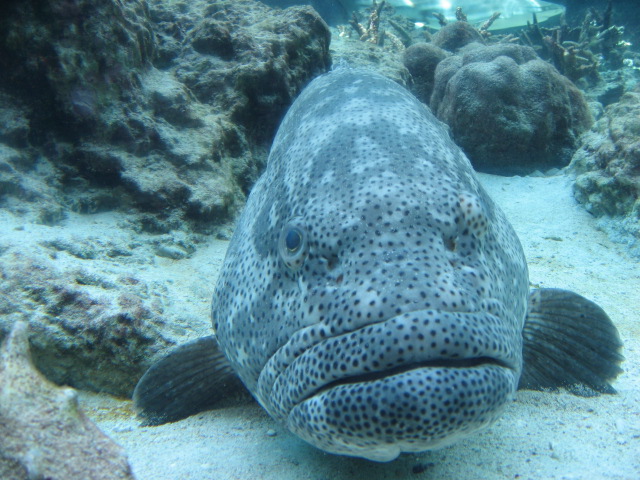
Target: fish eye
x=293 y=240
x=293 y=245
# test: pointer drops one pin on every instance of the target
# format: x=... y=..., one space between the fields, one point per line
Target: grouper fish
x=373 y=298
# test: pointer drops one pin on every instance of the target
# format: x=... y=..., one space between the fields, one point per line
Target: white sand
x=540 y=436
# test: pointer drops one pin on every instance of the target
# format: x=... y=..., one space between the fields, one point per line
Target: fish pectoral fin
x=193 y=377
x=569 y=342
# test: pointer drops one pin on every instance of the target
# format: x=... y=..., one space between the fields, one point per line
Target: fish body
x=398 y=260
x=373 y=298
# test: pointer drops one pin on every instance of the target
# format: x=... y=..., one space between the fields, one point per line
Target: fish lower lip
x=421 y=409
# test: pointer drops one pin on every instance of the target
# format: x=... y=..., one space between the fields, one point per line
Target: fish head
x=387 y=292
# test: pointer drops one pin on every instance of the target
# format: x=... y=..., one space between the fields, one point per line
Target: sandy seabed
x=540 y=436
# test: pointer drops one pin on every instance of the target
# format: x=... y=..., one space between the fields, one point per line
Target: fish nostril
x=449 y=243
x=339 y=279
x=332 y=261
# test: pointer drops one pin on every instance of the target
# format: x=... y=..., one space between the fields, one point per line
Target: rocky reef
x=509 y=120
x=607 y=167
x=165 y=108
x=143 y=124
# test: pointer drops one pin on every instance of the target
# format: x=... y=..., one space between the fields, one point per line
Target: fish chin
x=420 y=409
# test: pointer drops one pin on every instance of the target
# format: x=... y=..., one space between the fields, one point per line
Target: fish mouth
x=466 y=363
x=425 y=341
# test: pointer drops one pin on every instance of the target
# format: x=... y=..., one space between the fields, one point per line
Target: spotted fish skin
x=373 y=296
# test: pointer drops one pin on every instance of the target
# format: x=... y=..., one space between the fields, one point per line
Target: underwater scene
x=319 y=239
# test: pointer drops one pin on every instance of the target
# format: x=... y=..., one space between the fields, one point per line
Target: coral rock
x=91 y=331
x=607 y=164
x=43 y=432
x=166 y=107
x=421 y=59
x=510 y=111
x=454 y=36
